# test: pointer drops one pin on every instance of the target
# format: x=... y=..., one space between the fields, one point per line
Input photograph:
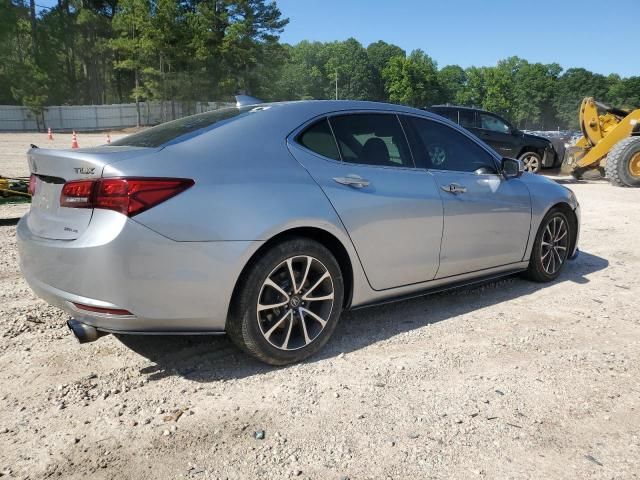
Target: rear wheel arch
x=323 y=237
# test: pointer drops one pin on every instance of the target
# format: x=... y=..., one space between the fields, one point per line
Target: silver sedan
x=267 y=221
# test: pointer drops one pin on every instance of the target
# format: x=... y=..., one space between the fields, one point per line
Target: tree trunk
x=137 y=101
x=32 y=14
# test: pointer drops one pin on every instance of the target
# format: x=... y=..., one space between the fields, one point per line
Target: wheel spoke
x=307 y=340
x=315 y=285
x=318 y=299
x=285 y=344
x=322 y=321
x=291 y=274
x=272 y=306
x=289 y=313
x=306 y=274
x=275 y=286
x=555 y=250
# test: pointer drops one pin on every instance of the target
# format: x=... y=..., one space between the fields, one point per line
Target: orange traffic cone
x=49 y=134
x=74 y=140
x=108 y=138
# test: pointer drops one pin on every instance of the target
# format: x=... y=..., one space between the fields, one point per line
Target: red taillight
x=129 y=196
x=32 y=185
x=77 y=194
x=109 y=311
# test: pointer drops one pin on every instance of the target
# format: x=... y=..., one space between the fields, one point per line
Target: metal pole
x=336 y=84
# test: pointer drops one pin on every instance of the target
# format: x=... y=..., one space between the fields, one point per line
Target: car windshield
x=181 y=129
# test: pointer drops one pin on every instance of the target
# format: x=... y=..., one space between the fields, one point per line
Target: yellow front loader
x=610 y=144
x=14 y=187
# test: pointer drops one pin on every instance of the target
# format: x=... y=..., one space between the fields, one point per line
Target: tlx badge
x=85 y=170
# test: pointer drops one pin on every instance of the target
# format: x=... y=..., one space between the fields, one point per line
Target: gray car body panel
x=175 y=266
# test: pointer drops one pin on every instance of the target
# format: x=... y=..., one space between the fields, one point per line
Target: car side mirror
x=511 y=168
x=515 y=131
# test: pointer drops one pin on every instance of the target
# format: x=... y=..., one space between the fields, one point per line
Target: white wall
x=98 y=117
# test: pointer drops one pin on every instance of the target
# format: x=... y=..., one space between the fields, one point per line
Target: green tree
x=350 y=62
x=412 y=80
x=134 y=44
x=453 y=80
x=573 y=85
x=379 y=54
x=625 y=93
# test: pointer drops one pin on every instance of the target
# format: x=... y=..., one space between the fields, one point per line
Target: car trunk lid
x=52 y=169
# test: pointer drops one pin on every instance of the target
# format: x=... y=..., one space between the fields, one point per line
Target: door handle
x=454 y=188
x=352 y=181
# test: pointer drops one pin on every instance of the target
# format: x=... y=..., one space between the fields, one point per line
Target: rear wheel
x=532 y=162
x=289 y=302
x=551 y=247
x=623 y=163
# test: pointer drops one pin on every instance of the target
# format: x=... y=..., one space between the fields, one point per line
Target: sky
x=573 y=33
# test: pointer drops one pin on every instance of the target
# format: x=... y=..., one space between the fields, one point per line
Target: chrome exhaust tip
x=84 y=333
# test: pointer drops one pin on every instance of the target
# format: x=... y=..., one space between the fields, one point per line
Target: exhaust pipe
x=84 y=333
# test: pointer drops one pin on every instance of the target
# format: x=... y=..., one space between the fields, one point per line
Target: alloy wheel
x=295 y=303
x=554 y=245
x=531 y=163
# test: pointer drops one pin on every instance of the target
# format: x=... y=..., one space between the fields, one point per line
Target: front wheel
x=532 y=162
x=551 y=247
x=288 y=303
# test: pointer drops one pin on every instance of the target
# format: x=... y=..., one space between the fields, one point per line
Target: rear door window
x=372 y=139
x=319 y=139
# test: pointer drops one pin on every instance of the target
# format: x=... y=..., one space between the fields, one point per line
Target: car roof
x=291 y=115
x=320 y=107
x=460 y=107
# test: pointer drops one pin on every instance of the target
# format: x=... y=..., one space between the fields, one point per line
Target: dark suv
x=535 y=152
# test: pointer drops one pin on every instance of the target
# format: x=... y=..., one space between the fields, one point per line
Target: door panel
x=485 y=226
x=486 y=218
x=395 y=222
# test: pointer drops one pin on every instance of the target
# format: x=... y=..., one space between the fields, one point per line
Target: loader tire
x=623 y=163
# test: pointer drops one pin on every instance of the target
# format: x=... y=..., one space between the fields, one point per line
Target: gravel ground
x=508 y=380
x=13 y=161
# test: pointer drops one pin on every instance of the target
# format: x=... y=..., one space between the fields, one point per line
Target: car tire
x=551 y=247
x=288 y=302
x=532 y=162
x=623 y=163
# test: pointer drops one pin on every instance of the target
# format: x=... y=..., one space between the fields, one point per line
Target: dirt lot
x=13 y=161
x=510 y=380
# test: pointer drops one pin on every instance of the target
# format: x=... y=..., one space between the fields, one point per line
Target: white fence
x=98 y=117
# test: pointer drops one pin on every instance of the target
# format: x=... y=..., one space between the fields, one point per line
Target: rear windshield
x=181 y=129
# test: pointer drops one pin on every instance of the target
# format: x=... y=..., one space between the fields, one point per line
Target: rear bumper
x=117 y=263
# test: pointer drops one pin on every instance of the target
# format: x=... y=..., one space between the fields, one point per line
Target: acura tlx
x=266 y=221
